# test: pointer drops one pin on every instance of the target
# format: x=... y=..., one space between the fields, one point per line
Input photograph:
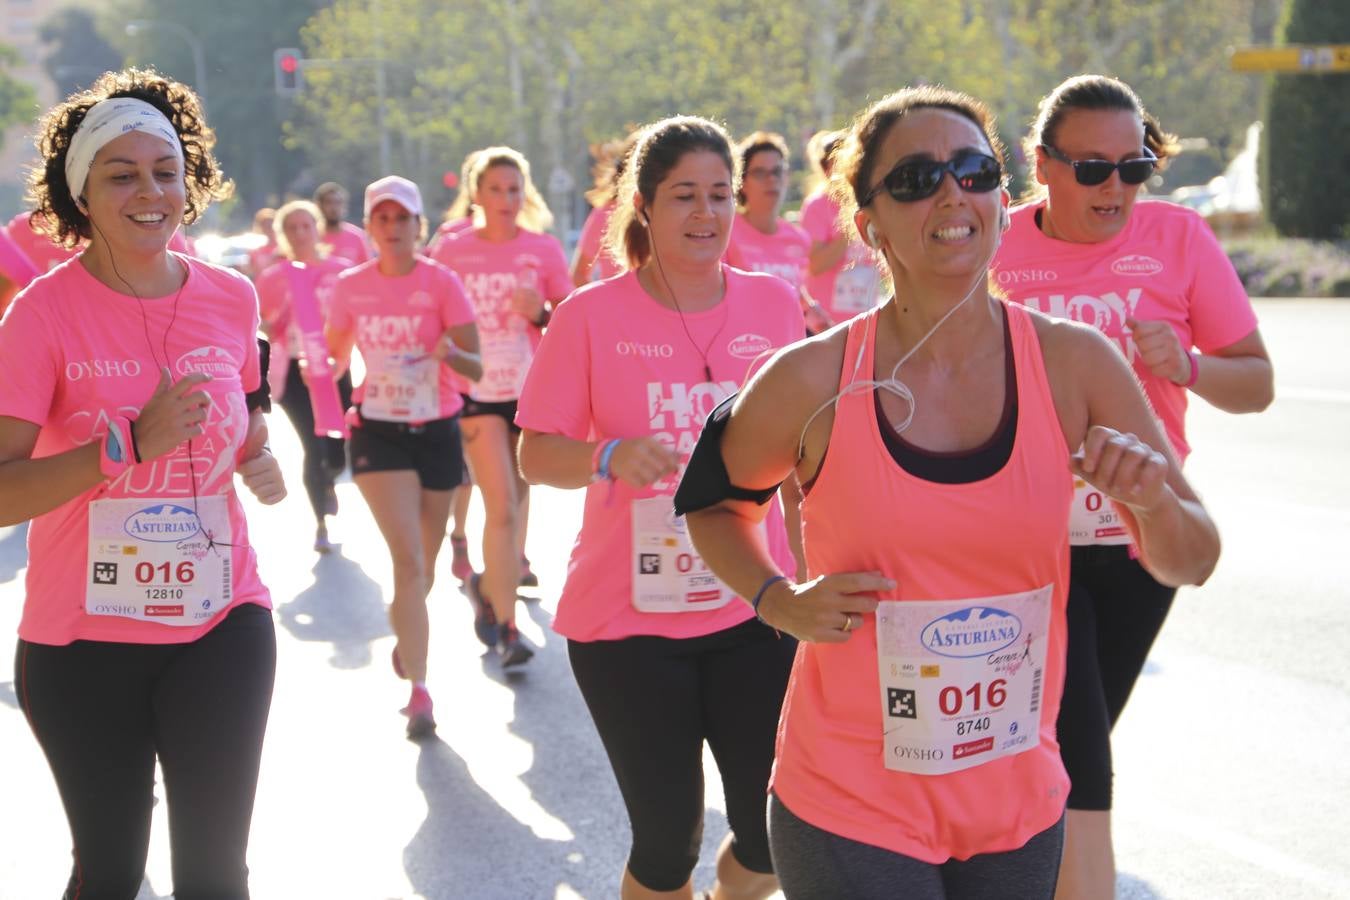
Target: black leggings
x=1116 y=609
x=815 y=864
x=103 y=712
x=325 y=457
x=654 y=701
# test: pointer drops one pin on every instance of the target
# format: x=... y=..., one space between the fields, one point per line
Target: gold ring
x=848 y=623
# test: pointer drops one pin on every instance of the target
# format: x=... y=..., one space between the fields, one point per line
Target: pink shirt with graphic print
x=404 y=315
x=854 y=285
x=1164 y=265
x=491 y=271
x=784 y=254
x=349 y=243
x=617 y=364
x=73 y=353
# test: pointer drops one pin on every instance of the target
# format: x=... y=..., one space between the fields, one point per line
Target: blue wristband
x=759 y=595
x=603 y=469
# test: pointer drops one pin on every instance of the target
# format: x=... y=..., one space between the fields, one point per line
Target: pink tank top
x=1004 y=535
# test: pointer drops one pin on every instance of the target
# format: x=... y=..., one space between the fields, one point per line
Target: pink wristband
x=1195 y=369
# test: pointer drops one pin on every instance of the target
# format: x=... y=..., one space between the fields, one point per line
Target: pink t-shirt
x=785 y=253
x=617 y=364
x=44 y=253
x=491 y=273
x=1164 y=265
x=349 y=243
x=449 y=229
x=260 y=259
x=274 y=306
x=591 y=241
x=398 y=322
x=854 y=285
x=73 y=353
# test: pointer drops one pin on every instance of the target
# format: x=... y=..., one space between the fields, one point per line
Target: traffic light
x=286 y=70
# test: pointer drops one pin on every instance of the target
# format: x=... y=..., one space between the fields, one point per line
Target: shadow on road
x=471 y=846
x=343 y=607
x=13 y=551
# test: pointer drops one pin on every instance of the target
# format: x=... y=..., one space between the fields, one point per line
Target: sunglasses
x=919 y=179
x=1090 y=172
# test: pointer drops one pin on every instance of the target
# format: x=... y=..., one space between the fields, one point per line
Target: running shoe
x=321 y=543
x=513 y=651
x=484 y=619
x=527 y=576
x=460 y=567
x=421 y=723
x=398 y=665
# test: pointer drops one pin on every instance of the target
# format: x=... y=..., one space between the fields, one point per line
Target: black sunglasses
x=1091 y=172
x=919 y=179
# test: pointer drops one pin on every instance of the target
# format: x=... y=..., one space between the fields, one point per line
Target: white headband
x=106 y=121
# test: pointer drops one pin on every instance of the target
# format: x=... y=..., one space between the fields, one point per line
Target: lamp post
x=194 y=44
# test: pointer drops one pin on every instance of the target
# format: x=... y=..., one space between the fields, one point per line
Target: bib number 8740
x=165 y=573
x=951 y=699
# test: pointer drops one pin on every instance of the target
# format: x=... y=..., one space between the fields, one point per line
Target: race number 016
x=183 y=573
x=951 y=699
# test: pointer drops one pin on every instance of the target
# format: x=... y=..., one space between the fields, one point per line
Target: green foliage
x=79 y=53
x=1306 y=178
x=18 y=103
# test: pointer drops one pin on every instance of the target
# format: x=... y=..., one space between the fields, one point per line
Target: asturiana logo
x=163 y=524
x=748 y=346
x=973 y=631
x=1136 y=264
x=212 y=361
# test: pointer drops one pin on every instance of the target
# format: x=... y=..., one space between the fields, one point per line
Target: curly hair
x=54 y=210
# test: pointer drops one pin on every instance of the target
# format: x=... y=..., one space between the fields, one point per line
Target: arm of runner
x=760 y=449
x=458 y=349
x=1126 y=456
x=1237 y=378
x=825 y=255
x=340 y=343
x=30 y=487
x=562 y=462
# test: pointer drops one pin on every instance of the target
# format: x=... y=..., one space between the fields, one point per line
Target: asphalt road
x=1231 y=775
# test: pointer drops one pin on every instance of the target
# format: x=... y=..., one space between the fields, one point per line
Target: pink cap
x=392 y=187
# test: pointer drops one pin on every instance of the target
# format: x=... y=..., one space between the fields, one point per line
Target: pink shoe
x=421 y=723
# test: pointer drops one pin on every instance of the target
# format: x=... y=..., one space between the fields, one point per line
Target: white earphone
x=873 y=240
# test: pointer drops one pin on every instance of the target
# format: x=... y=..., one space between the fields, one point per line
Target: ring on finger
x=848 y=623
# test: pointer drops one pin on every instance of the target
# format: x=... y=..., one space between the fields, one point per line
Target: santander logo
x=1136 y=264
x=748 y=346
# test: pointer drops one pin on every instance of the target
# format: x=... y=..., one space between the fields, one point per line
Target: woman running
x=591 y=260
x=1151 y=277
x=761 y=240
x=843 y=275
x=514 y=274
x=130 y=397
x=459 y=217
x=414 y=326
x=936 y=438
x=625 y=377
x=294 y=296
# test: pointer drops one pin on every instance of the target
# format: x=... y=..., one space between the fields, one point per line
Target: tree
x=17 y=100
x=1305 y=178
x=79 y=53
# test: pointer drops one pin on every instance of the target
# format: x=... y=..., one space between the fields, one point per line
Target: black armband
x=706 y=482
x=261 y=397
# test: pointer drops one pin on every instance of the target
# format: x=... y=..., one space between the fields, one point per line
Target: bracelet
x=1195 y=369
x=135 y=447
x=606 y=454
x=595 y=460
x=759 y=595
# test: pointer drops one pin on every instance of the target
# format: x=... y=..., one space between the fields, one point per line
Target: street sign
x=1311 y=59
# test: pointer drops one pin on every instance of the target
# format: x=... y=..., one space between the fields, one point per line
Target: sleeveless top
x=1004 y=534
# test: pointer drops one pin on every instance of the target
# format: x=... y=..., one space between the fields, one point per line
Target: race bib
x=1094 y=519
x=154 y=560
x=855 y=288
x=668 y=575
x=506 y=360
x=402 y=387
x=961 y=680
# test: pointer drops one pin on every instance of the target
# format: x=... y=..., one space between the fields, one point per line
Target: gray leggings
x=814 y=864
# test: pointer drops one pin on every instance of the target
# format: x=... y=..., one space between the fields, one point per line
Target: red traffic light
x=450 y=180
x=289 y=63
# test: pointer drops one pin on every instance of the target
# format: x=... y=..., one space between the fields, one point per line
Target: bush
x=1304 y=179
x=1274 y=267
